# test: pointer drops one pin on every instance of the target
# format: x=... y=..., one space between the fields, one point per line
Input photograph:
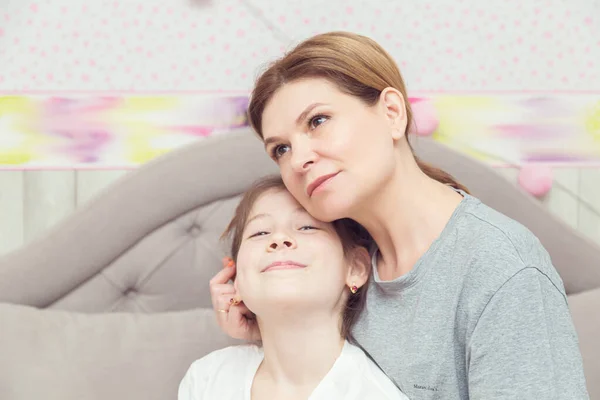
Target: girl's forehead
x=274 y=203
x=278 y=204
x=279 y=196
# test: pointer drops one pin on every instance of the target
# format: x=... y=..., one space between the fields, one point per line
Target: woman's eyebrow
x=306 y=111
x=271 y=139
x=299 y=120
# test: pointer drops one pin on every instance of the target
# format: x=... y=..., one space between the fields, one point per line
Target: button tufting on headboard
x=194 y=230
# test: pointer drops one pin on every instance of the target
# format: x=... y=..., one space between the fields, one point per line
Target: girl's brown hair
x=351 y=234
x=357 y=65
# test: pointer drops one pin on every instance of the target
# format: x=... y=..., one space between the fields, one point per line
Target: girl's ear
x=360 y=267
x=237 y=291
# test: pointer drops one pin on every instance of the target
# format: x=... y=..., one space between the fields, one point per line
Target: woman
x=302 y=278
x=464 y=302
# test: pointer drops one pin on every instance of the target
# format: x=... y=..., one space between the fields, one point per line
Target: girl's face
x=289 y=259
x=334 y=152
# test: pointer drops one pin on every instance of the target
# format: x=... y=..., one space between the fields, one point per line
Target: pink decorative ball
x=536 y=179
x=425 y=118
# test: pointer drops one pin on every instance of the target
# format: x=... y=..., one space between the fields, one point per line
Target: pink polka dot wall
x=220 y=45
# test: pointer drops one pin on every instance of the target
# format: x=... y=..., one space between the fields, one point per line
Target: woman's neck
x=298 y=352
x=406 y=217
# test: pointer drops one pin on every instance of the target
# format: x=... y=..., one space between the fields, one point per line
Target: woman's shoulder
x=509 y=243
x=497 y=248
x=489 y=224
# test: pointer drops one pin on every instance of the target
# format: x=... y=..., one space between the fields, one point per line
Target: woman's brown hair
x=351 y=234
x=357 y=65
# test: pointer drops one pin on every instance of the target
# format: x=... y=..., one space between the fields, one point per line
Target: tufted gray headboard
x=150 y=242
x=120 y=288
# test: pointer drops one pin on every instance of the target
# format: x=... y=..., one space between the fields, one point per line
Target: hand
x=232 y=315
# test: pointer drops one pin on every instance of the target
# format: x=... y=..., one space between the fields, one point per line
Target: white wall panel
x=11 y=210
x=49 y=196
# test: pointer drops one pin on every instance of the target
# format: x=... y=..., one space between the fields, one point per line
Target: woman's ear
x=360 y=267
x=394 y=106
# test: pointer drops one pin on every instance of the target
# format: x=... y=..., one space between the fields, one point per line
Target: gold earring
x=354 y=289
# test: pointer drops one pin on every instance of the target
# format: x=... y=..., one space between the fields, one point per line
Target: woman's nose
x=303 y=156
x=281 y=242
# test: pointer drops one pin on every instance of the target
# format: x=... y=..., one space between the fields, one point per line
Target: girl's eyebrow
x=301 y=210
x=298 y=210
x=257 y=216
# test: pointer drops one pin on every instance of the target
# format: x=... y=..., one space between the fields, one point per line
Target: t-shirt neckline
x=413 y=276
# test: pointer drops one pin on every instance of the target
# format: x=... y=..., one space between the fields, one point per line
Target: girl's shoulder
x=223 y=372
x=360 y=377
x=232 y=357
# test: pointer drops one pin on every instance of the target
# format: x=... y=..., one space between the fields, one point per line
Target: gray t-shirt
x=482 y=315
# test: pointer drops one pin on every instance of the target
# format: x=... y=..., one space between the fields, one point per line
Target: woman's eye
x=279 y=150
x=317 y=120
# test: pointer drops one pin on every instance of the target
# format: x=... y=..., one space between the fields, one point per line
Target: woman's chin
x=332 y=207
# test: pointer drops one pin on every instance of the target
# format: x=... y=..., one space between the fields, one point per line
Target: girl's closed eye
x=257 y=234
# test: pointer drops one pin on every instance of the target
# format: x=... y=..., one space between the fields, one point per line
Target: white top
x=228 y=374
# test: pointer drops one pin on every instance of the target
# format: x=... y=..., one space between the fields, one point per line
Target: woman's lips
x=318 y=183
x=279 y=265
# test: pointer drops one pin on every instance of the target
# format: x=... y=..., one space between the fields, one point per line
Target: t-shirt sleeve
x=197 y=379
x=186 y=387
x=219 y=374
x=193 y=384
x=524 y=345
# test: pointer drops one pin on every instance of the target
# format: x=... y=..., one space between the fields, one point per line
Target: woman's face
x=334 y=152
x=289 y=259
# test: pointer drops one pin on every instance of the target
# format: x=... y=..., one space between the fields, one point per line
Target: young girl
x=303 y=280
x=464 y=302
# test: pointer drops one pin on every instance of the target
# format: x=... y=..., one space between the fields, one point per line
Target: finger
x=228 y=262
x=244 y=321
x=220 y=289
x=223 y=276
x=240 y=308
x=224 y=301
x=223 y=306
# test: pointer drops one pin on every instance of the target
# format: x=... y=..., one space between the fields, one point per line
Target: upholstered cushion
x=168 y=269
x=585 y=309
x=149 y=242
x=59 y=355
